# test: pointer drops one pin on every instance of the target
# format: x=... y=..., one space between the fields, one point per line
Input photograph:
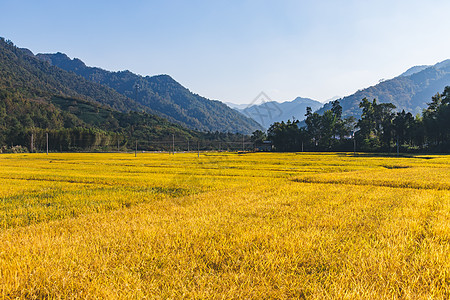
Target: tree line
x=78 y=125
x=379 y=129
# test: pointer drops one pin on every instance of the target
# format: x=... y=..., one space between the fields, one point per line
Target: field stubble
x=224 y=226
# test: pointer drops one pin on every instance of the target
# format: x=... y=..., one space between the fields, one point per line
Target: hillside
x=414 y=70
x=410 y=91
x=268 y=113
x=36 y=98
x=20 y=70
x=163 y=96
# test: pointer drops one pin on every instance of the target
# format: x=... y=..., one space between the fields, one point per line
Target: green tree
x=403 y=124
x=313 y=123
x=436 y=119
x=375 y=125
x=258 y=137
x=285 y=136
x=327 y=129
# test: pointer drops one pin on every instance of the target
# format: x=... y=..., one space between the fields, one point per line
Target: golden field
x=224 y=226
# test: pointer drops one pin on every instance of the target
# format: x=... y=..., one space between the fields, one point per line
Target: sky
x=232 y=50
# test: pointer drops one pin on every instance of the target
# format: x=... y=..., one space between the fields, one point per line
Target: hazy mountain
x=414 y=70
x=333 y=98
x=443 y=64
x=410 y=91
x=163 y=96
x=267 y=113
x=236 y=106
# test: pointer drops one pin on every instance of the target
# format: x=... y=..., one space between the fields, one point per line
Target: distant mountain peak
x=61 y=59
x=236 y=106
x=442 y=64
x=414 y=70
x=417 y=69
x=333 y=99
x=303 y=100
x=165 y=78
x=267 y=113
x=26 y=51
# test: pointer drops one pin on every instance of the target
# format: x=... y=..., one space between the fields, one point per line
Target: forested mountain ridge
x=410 y=91
x=20 y=70
x=37 y=98
x=414 y=70
x=163 y=96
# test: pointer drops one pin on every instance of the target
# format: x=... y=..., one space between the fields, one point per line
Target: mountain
x=37 y=98
x=410 y=91
x=414 y=70
x=443 y=64
x=267 y=113
x=236 y=106
x=333 y=98
x=161 y=95
x=21 y=70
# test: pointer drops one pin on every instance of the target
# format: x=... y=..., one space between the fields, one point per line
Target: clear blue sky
x=232 y=50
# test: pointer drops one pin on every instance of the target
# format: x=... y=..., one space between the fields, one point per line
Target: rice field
x=224 y=226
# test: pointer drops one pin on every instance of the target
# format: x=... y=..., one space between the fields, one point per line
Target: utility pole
x=188 y=145
x=46 y=135
x=118 y=148
x=302 y=146
x=173 y=144
x=198 y=149
x=31 y=147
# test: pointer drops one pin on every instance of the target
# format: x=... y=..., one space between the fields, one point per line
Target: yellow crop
x=226 y=226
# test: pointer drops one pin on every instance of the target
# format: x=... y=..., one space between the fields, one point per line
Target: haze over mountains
x=269 y=112
x=161 y=95
x=414 y=70
x=410 y=91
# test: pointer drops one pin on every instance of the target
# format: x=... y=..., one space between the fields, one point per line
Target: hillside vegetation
x=21 y=72
x=162 y=95
x=37 y=98
x=410 y=92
